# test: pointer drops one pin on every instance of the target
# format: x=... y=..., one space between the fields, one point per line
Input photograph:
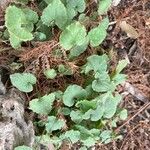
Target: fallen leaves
x=129 y=30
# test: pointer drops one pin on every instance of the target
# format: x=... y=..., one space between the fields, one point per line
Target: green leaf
x=83 y=148
x=95 y=133
x=121 y=65
x=23 y=148
x=31 y=15
x=23 y=81
x=98 y=34
x=106 y=107
x=97 y=113
x=77 y=5
x=77 y=50
x=76 y=116
x=89 y=142
x=71 y=13
x=104 y=23
x=104 y=6
x=123 y=114
x=110 y=105
x=19 y=23
x=73 y=35
x=105 y=135
x=55 y=141
x=61 y=68
x=119 y=78
x=85 y=132
x=65 y=111
x=72 y=94
x=94 y=115
x=85 y=105
x=54 y=124
x=73 y=136
x=42 y=105
x=39 y=36
x=65 y=70
x=43 y=139
x=50 y=73
x=48 y=1
x=56 y=13
x=58 y=94
x=114 y=123
x=42 y=28
x=96 y=63
x=83 y=18
x=88 y=137
x=23 y=1
x=87 y=114
x=102 y=83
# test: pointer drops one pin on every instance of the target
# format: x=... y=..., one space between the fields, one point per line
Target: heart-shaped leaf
x=54 y=124
x=73 y=93
x=42 y=105
x=23 y=81
x=56 y=13
x=73 y=35
x=98 y=34
x=96 y=63
x=72 y=135
x=19 y=23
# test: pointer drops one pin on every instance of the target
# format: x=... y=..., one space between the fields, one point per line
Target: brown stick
x=139 y=111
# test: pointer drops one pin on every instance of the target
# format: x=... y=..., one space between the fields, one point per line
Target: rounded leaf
x=123 y=114
x=73 y=35
x=121 y=65
x=105 y=135
x=73 y=93
x=54 y=124
x=50 y=73
x=23 y=148
x=23 y=81
x=15 y=18
x=55 y=12
x=76 y=116
x=42 y=105
x=77 y=5
x=73 y=135
x=104 y=6
x=98 y=34
x=96 y=63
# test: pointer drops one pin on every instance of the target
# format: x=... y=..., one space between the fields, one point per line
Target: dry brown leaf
x=131 y=31
x=129 y=88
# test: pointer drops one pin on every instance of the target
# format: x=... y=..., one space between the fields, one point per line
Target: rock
x=15 y=128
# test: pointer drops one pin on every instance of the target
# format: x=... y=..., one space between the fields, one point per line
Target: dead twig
x=131 y=118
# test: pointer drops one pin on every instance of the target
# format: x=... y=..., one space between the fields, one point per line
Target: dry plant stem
x=5 y=49
x=127 y=136
x=139 y=111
